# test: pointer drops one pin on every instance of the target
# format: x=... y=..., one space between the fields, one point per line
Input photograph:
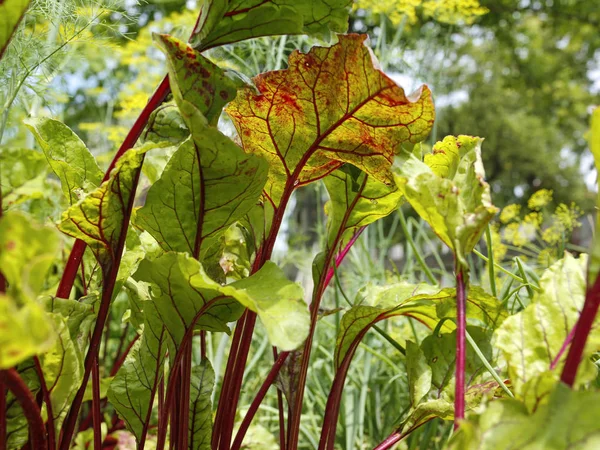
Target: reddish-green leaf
x=332 y=105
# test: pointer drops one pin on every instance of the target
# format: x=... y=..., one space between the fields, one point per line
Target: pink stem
x=582 y=330
x=461 y=324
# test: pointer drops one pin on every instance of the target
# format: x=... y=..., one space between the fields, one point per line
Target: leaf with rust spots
x=330 y=107
x=223 y=22
x=98 y=218
x=196 y=83
x=449 y=191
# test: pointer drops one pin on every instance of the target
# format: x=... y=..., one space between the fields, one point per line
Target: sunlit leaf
x=428 y=304
x=356 y=200
x=431 y=370
x=17 y=167
x=97 y=219
x=25 y=330
x=449 y=192
x=197 y=84
x=11 y=12
x=594 y=143
x=180 y=294
x=27 y=252
x=531 y=339
x=202 y=384
x=68 y=157
x=166 y=125
x=331 y=106
x=225 y=22
x=208 y=184
x=566 y=421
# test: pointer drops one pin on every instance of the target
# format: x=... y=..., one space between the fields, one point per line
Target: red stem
x=2 y=416
x=123 y=357
x=96 y=414
x=272 y=375
x=159 y=96
x=389 y=442
x=461 y=324
x=108 y=282
x=582 y=330
x=46 y=395
x=563 y=348
x=171 y=383
x=186 y=379
x=283 y=356
x=37 y=433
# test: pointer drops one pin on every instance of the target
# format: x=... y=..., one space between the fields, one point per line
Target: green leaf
x=17 y=427
x=225 y=22
x=567 y=421
x=11 y=12
x=25 y=330
x=203 y=381
x=17 y=167
x=68 y=157
x=27 y=252
x=594 y=143
x=449 y=192
x=428 y=304
x=166 y=125
x=331 y=106
x=62 y=366
x=97 y=219
x=208 y=184
x=531 y=339
x=278 y=302
x=179 y=290
x=356 y=200
x=431 y=377
x=197 y=84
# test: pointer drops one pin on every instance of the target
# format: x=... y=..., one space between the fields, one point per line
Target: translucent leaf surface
x=332 y=105
x=531 y=339
x=448 y=191
x=180 y=291
x=567 y=421
x=11 y=12
x=431 y=371
x=425 y=303
x=356 y=200
x=224 y=22
x=97 y=219
x=68 y=157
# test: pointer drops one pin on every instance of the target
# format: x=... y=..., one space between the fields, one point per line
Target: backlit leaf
x=68 y=157
x=567 y=421
x=179 y=290
x=197 y=84
x=594 y=143
x=431 y=371
x=449 y=192
x=225 y=22
x=531 y=339
x=11 y=12
x=27 y=251
x=331 y=106
x=17 y=167
x=425 y=303
x=25 y=330
x=97 y=219
x=208 y=184
x=356 y=200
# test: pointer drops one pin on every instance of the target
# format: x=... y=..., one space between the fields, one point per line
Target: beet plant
x=190 y=258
